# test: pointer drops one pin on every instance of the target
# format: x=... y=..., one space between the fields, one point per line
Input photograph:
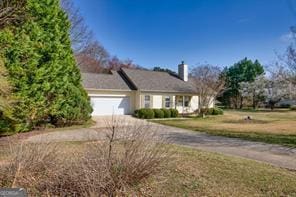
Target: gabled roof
x=145 y=80
x=113 y=81
x=135 y=79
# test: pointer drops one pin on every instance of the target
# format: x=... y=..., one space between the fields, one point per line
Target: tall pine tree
x=42 y=68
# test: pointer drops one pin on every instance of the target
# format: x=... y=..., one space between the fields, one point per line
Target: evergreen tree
x=243 y=71
x=4 y=88
x=42 y=68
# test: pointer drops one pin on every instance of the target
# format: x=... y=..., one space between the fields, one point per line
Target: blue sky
x=164 y=32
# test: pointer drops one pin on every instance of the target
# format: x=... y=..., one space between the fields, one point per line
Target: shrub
x=145 y=113
x=215 y=111
x=210 y=111
x=136 y=113
x=285 y=105
x=167 y=113
x=114 y=166
x=158 y=113
x=293 y=107
x=174 y=113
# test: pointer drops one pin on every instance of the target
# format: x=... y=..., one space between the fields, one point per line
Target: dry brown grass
x=276 y=127
x=200 y=173
x=190 y=172
x=113 y=166
x=264 y=122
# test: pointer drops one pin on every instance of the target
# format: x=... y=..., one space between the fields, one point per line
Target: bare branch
x=80 y=34
x=209 y=84
x=11 y=12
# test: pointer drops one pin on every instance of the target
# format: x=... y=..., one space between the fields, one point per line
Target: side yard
x=278 y=127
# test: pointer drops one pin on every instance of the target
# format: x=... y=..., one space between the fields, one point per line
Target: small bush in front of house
x=215 y=111
x=136 y=113
x=145 y=113
x=210 y=111
x=158 y=113
x=293 y=107
x=174 y=113
x=167 y=113
x=285 y=105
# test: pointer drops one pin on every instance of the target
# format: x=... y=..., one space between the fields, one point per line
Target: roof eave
x=165 y=91
x=116 y=90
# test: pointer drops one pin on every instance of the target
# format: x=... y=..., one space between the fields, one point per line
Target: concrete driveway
x=273 y=154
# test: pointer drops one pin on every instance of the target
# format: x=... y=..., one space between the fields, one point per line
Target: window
x=167 y=101
x=147 y=101
x=186 y=101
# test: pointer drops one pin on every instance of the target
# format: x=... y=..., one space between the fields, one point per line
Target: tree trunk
x=203 y=115
x=241 y=102
x=254 y=103
x=272 y=107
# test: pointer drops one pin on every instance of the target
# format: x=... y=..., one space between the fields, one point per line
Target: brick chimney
x=183 y=71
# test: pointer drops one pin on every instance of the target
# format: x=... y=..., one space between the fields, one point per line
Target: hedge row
x=146 y=113
x=215 y=111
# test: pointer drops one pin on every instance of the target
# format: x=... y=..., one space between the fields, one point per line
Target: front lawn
x=278 y=127
x=192 y=172
x=199 y=173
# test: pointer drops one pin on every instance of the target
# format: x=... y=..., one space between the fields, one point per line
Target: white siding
x=157 y=101
x=194 y=103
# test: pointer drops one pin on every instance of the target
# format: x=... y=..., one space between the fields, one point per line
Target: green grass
x=285 y=140
x=277 y=127
x=199 y=173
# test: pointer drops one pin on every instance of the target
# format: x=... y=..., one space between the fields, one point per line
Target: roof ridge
x=146 y=70
x=91 y=73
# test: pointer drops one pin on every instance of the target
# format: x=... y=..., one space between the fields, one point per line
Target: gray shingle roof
x=157 y=81
x=104 y=81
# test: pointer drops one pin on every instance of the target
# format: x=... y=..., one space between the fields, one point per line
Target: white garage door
x=110 y=105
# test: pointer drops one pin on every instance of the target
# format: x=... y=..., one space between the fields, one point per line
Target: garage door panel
x=110 y=105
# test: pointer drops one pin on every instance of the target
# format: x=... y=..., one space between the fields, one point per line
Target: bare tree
x=279 y=87
x=285 y=66
x=115 y=64
x=11 y=12
x=93 y=58
x=90 y=54
x=79 y=32
x=209 y=83
x=254 y=91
